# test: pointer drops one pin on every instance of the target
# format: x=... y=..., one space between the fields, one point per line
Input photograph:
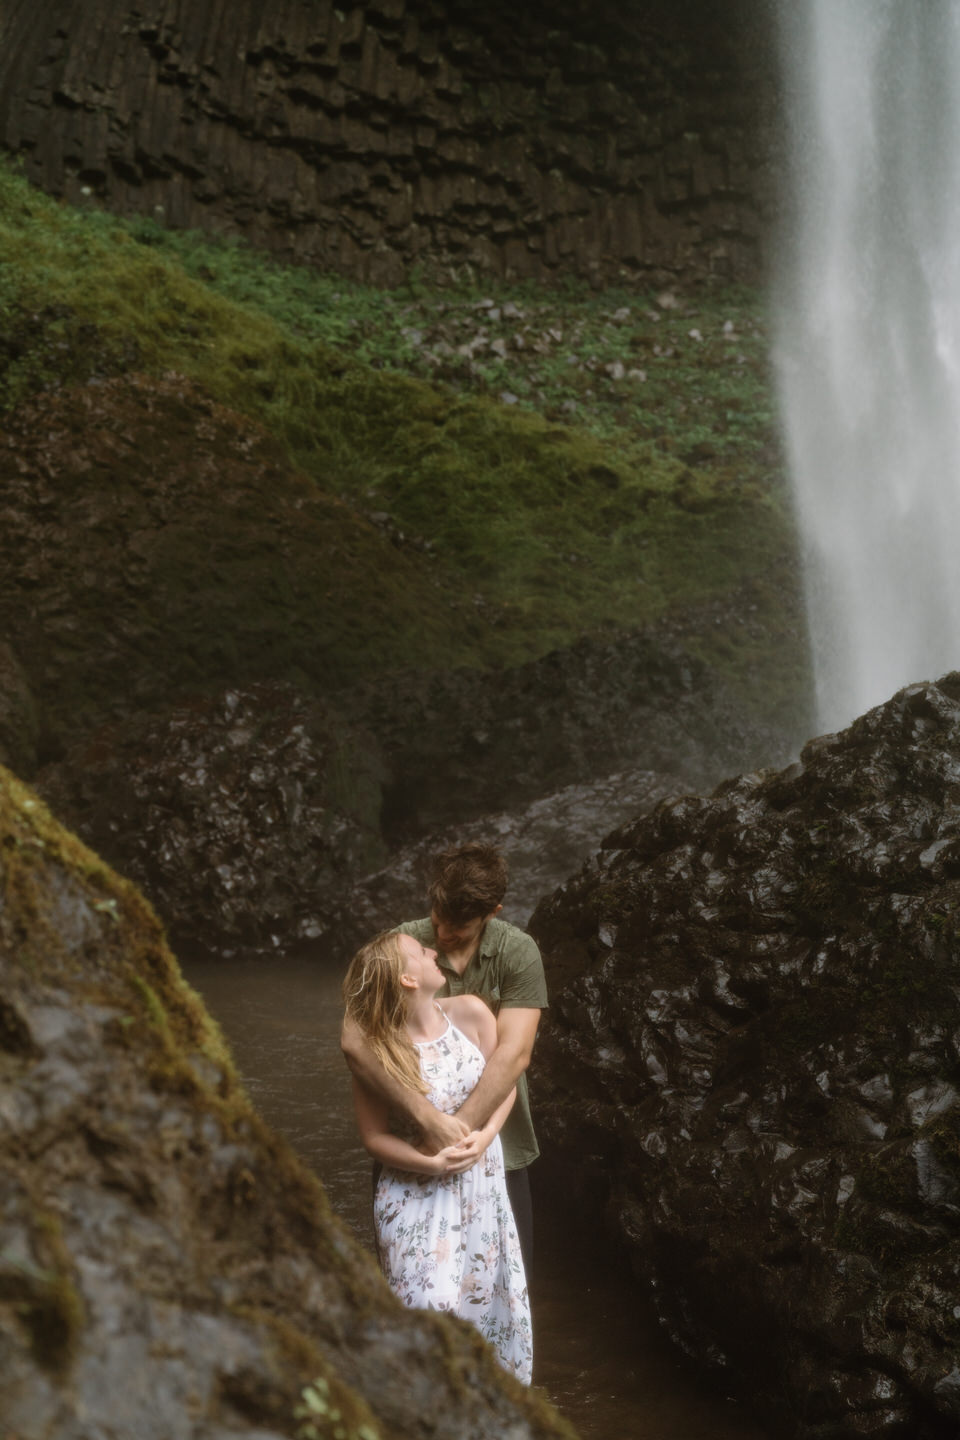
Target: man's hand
x=455 y=1159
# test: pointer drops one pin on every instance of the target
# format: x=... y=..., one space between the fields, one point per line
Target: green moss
x=152 y=1002
x=45 y=1296
x=32 y=845
x=328 y=1411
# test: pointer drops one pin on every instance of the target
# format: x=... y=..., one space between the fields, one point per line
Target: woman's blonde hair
x=375 y=1001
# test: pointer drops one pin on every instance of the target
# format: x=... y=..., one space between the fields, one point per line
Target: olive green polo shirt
x=507 y=973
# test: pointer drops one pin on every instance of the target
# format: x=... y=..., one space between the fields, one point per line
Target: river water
x=600 y=1355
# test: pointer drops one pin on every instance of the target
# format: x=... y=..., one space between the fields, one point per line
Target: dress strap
x=419 y=1044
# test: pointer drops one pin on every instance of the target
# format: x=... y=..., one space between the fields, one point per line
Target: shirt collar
x=484 y=951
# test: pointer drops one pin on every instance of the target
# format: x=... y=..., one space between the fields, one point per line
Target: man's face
x=458 y=935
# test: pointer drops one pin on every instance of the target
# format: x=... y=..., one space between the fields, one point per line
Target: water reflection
x=600 y=1356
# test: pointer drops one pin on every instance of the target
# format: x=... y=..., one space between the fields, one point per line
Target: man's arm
x=373 y=1122
x=438 y=1130
x=516 y=1032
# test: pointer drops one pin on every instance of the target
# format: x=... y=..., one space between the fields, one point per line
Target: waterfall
x=868 y=338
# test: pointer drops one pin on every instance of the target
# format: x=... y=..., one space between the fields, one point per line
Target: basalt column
x=606 y=140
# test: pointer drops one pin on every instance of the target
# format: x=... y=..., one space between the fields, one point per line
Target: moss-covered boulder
x=167 y=1266
x=754 y=1055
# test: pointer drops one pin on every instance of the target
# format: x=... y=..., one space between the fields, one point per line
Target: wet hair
x=467 y=882
x=375 y=1001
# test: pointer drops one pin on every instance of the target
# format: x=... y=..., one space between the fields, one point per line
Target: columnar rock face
x=754 y=1051
x=168 y=1268
x=610 y=140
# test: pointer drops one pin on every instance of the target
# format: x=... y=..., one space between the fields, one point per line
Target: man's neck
x=458 y=960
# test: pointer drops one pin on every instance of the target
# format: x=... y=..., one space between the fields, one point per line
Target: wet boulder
x=754 y=1055
x=168 y=1267
x=243 y=816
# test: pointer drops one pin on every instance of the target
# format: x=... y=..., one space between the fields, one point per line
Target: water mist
x=868 y=338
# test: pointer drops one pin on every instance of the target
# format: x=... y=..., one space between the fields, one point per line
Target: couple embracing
x=441 y=1016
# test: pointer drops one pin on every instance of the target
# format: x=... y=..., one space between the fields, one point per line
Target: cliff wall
x=615 y=142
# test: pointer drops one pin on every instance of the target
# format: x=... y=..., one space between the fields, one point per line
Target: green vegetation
x=710 y=392
x=47 y=1300
x=561 y=461
x=322 y=1416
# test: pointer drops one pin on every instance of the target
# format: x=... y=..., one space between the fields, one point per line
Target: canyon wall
x=616 y=142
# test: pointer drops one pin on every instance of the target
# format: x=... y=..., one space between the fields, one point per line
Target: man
x=480 y=955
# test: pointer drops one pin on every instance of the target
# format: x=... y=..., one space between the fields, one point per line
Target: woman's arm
x=373 y=1123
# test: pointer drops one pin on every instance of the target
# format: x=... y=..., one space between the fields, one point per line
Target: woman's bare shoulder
x=469 y=1013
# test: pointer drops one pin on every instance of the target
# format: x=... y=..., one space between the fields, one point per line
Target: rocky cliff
x=248 y=814
x=607 y=140
x=187 y=618
x=167 y=1266
x=754 y=1055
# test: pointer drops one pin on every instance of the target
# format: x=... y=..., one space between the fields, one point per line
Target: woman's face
x=421 y=964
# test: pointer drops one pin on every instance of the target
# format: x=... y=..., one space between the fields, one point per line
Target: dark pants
x=518 y=1189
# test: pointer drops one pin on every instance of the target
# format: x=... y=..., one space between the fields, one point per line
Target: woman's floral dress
x=449 y=1242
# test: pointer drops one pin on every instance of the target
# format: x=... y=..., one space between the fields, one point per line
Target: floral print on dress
x=450 y=1242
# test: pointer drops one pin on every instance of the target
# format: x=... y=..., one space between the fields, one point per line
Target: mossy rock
x=172 y=550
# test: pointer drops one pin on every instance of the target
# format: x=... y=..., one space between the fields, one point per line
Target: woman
x=445 y=1232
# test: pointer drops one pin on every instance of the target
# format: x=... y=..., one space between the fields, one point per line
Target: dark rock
x=755 y=1002
x=458 y=744
x=158 y=553
x=249 y=818
x=168 y=1268
x=19 y=722
x=243 y=817
x=541 y=841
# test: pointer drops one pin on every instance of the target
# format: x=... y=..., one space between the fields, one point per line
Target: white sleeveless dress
x=450 y=1242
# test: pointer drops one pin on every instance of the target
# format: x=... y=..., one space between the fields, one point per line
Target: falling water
x=869 y=338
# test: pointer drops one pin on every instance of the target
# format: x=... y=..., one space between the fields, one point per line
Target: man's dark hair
x=467 y=882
